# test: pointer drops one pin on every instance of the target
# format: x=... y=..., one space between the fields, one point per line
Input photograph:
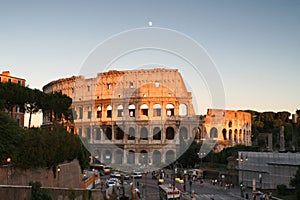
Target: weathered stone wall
x=24 y=193
x=68 y=177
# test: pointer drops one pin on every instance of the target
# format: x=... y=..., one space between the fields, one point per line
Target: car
x=136 y=175
x=115 y=175
x=107 y=170
x=126 y=176
x=110 y=183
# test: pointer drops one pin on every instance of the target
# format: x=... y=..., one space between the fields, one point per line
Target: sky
x=255 y=45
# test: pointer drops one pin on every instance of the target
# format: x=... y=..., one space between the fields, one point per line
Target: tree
x=295 y=182
x=33 y=102
x=12 y=136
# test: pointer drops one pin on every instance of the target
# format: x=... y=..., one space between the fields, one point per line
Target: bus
x=167 y=192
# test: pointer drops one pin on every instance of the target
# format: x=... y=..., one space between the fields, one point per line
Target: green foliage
x=11 y=136
x=49 y=147
x=295 y=182
x=72 y=194
x=37 y=193
x=281 y=189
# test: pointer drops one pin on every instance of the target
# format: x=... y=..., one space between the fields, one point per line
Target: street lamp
x=58 y=171
x=201 y=155
x=8 y=161
x=242 y=159
x=260 y=181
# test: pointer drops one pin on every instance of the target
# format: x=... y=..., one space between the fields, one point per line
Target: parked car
x=126 y=176
x=115 y=175
x=136 y=175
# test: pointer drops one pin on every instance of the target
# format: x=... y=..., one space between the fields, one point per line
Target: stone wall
x=24 y=193
x=68 y=177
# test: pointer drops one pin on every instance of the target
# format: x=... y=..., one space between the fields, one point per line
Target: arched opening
x=144 y=133
x=224 y=132
x=244 y=136
x=230 y=124
x=183 y=132
x=230 y=135
x=97 y=133
x=196 y=133
x=156 y=133
x=144 y=109
x=109 y=111
x=88 y=133
x=240 y=136
x=183 y=111
x=131 y=109
x=119 y=134
x=156 y=157
x=236 y=135
x=108 y=133
x=156 y=110
x=120 y=111
x=170 y=133
x=131 y=157
x=99 y=112
x=131 y=135
x=119 y=157
x=144 y=157
x=213 y=132
x=170 y=110
x=170 y=156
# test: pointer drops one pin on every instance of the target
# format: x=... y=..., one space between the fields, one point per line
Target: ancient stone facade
x=230 y=127
x=137 y=117
x=17 y=113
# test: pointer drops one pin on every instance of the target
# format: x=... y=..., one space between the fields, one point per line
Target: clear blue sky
x=255 y=44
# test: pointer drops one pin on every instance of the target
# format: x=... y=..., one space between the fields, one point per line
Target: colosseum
x=139 y=117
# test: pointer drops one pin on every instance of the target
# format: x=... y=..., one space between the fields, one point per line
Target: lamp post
x=242 y=159
x=260 y=181
x=58 y=171
x=8 y=161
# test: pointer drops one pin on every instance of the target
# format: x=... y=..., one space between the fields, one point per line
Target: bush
x=282 y=189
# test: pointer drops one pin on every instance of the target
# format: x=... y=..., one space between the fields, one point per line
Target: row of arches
x=132 y=157
x=236 y=135
x=144 y=110
x=142 y=133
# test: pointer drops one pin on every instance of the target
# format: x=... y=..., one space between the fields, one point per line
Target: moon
x=150 y=23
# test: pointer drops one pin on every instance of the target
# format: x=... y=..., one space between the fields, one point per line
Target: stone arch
x=144 y=109
x=131 y=135
x=183 y=131
x=120 y=111
x=170 y=110
x=213 y=132
x=170 y=156
x=240 y=136
x=156 y=157
x=230 y=135
x=108 y=133
x=156 y=133
x=131 y=157
x=109 y=111
x=183 y=109
x=144 y=133
x=144 y=157
x=156 y=110
x=131 y=109
x=230 y=124
x=196 y=133
x=119 y=133
x=235 y=135
x=118 y=157
x=170 y=133
x=224 y=132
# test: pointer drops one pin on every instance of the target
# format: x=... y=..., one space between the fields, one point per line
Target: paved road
x=206 y=191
